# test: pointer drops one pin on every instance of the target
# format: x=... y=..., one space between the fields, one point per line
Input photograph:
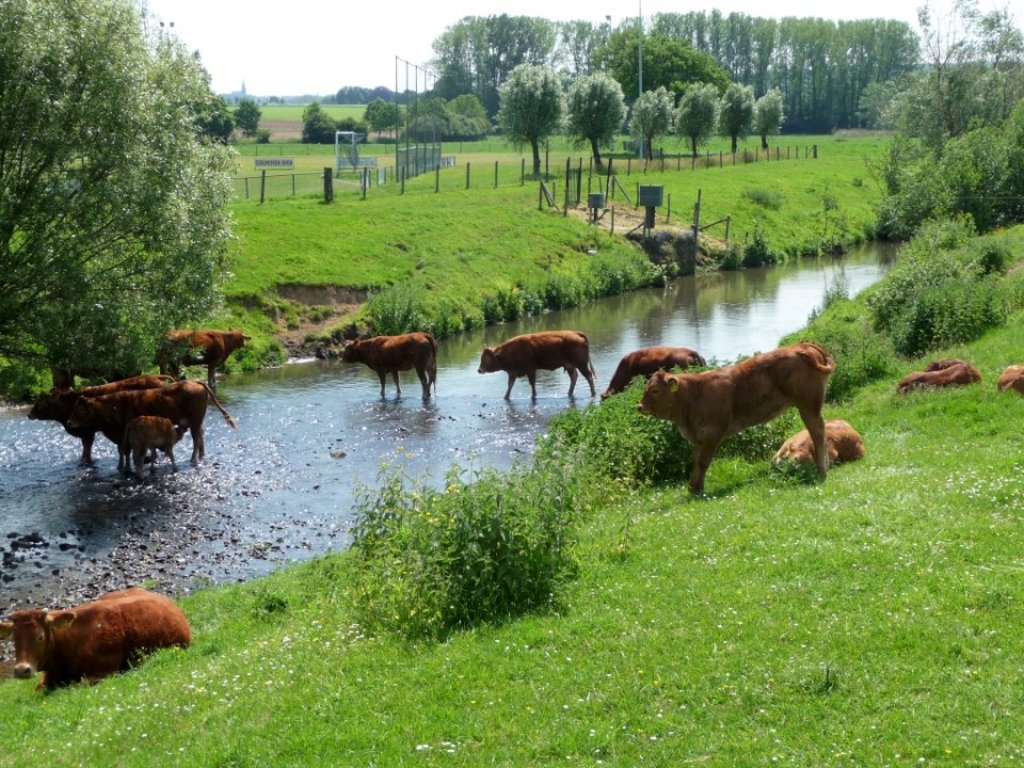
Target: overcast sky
x=316 y=47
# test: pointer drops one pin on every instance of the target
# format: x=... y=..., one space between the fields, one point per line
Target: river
x=281 y=487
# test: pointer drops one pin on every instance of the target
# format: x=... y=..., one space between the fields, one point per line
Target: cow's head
x=660 y=395
x=488 y=362
x=82 y=415
x=54 y=405
x=32 y=631
x=350 y=351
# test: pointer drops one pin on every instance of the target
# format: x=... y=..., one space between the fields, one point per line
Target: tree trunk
x=735 y=141
x=535 y=144
x=596 y=151
x=693 y=145
x=764 y=141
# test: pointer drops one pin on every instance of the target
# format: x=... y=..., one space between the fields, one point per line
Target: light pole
x=640 y=65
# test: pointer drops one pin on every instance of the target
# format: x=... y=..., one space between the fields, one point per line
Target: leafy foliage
x=943 y=291
x=486 y=547
x=736 y=113
x=697 y=114
x=113 y=198
x=531 y=107
x=652 y=117
x=595 y=110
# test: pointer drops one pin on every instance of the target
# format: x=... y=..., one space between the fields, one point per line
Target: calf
x=546 y=350
x=710 y=406
x=843 y=442
x=184 y=403
x=57 y=404
x=644 y=362
x=941 y=373
x=391 y=354
x=1011 y=378
x=145 y=433
x=206 y=347
x=95 y=639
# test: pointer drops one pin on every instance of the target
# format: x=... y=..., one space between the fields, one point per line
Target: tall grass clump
x=487 y=547
x=945 y=290
x=393 y=310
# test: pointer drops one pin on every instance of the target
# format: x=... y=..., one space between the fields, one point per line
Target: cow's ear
x=60 y=619
x=673 y=385
x=6 y=628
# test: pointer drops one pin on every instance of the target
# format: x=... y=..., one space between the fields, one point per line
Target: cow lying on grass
x=1011 y=378
x=941 y=373
x=644 y=362
x=710 y=406
x=843 y=441
x=96 y=639
x=546 y=350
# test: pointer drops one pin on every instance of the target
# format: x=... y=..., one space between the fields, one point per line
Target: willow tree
x=595 y=110
x=531 y=107
x=652 y=117
x=697 y=115
x=113 y=221
x=736 y=113
x=768 y=115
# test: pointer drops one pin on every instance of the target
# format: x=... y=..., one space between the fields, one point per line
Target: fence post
x=437 y=178
x=522 y=172
x=328 y=186
x=263 y=185
x=467 y=175
x=495 y=174
x=815 y=148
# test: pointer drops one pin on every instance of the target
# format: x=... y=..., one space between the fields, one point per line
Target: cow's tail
x=216 y=402
x=823 y=360
x=433 y=361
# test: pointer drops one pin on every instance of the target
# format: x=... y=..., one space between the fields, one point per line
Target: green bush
x=393 y=311
x=485 y=549
x=943 y=291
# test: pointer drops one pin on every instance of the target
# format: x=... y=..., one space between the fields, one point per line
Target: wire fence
x=449 y=175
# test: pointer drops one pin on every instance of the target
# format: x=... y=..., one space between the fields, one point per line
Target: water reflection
x=282 y=486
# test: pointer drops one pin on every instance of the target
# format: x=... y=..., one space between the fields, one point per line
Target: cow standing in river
x=545 y=350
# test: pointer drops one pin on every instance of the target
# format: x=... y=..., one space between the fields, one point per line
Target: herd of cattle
x=148 y=412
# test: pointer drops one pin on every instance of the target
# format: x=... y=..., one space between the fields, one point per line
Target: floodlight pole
x=640 y=64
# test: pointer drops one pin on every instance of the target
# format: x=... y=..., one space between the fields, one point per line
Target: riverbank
x=871 y=618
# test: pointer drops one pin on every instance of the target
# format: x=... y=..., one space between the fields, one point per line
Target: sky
x=316 y=47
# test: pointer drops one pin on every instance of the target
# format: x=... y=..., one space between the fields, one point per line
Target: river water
x=281 y=487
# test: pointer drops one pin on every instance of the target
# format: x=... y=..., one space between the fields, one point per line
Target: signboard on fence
x=275 y=162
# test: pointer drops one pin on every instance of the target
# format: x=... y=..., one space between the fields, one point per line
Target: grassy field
x=871 y=619
x=456 y=236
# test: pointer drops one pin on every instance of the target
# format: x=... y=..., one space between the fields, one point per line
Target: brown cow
x=710 y=406
x=183 y=402
x=644 y=362
x=57 y=404
x=206 y=347
x=145 y=433
x=391 y=354
x=843 y=441
x=546 y=350
x=941 y=373
x=1011 y=378
x=95 y=639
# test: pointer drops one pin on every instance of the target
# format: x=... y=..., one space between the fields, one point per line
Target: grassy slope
x=872 y=619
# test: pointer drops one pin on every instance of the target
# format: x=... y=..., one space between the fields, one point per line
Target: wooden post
x=613 y=221
x=522 y=172
x=668 y=212
x=495 y=174
x=728 y=223
x=467 y=175
x=328 y=186
x=263 y=185
x=437 y=178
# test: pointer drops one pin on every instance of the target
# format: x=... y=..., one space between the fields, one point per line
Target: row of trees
x=821 y=68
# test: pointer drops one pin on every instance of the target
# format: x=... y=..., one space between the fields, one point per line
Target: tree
x=467 y=118
x=113 y=220
x=736 y=112
x=214 y=118
x=382 y=115
x=697 y=115
x=595 y=109
x=318 y=127
x=652 y=117
x=247 y=117
x=768 y=115
x=531 y=107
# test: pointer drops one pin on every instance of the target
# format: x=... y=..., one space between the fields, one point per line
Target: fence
x=277 y=184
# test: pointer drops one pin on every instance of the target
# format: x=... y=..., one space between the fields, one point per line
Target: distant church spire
x=243 y=89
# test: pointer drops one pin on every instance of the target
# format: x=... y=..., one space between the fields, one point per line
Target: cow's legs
x=421 y=371
x=87 y=442
x=511 y=381
x=702 y=455
x=170 y=455
x=573 y=375
x=383 y=378
x=198 y=445
x=211 y=376
x=532 y=375
x=398 y=385
x=815 y=424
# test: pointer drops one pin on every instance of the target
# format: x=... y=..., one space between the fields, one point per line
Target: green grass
x=458 y=234
x=869 y=619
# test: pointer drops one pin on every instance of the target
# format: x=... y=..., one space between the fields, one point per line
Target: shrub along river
x=281 y=487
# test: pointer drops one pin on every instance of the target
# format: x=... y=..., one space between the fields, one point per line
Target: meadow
x=868 y=619
x=473 y=233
